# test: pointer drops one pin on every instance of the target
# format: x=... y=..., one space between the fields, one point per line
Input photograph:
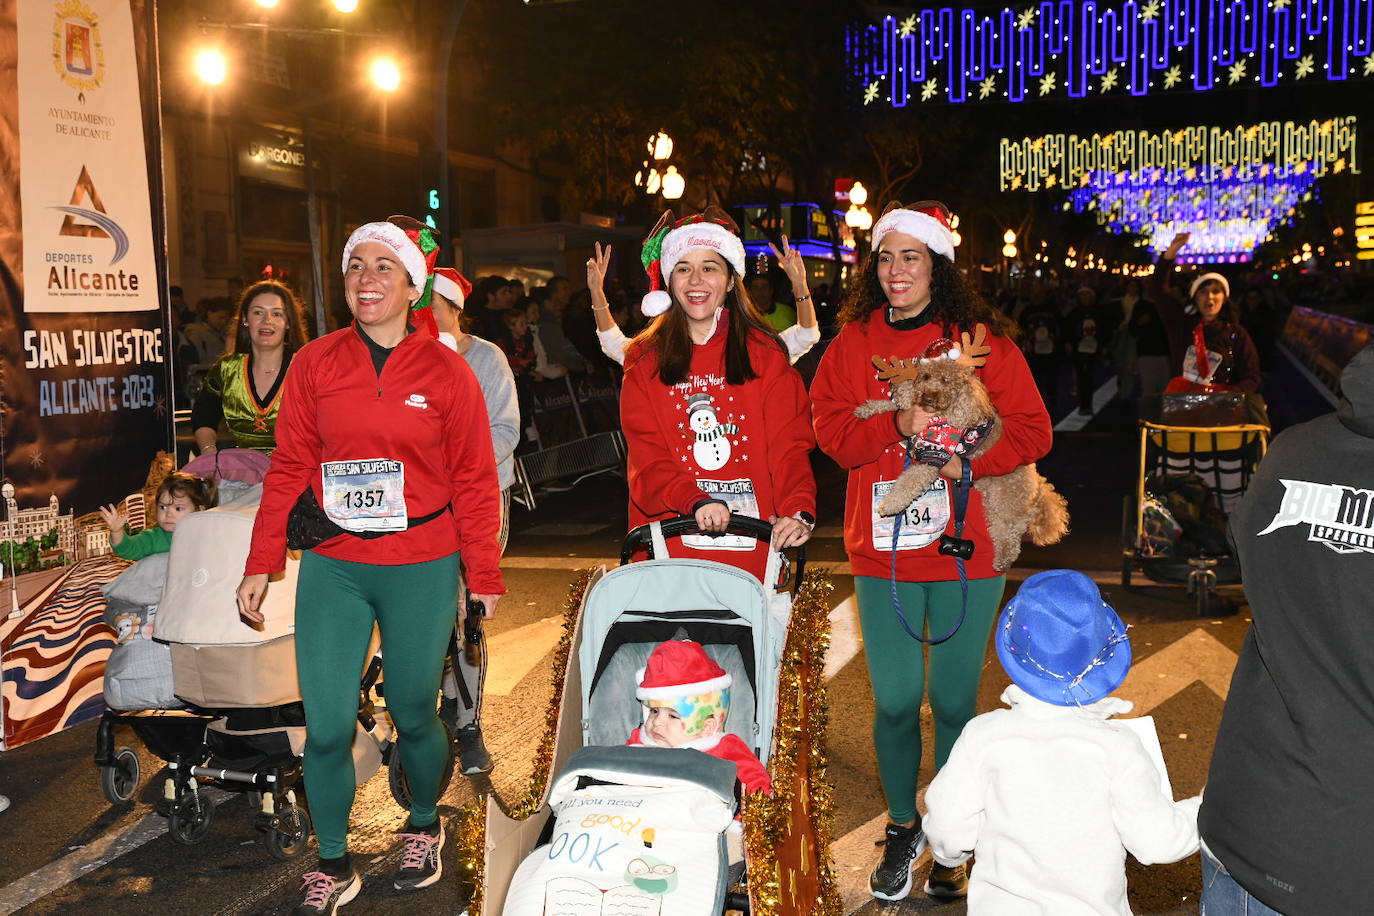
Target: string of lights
x=1059 y=48
x=1069 y=160
x=1227 y=215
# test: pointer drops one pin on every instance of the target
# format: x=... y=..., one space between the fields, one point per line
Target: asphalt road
x=67 y=850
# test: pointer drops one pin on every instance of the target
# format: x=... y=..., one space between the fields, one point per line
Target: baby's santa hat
x=712 y=229
x=679 y=668
x=927 y=220
x=452 y=285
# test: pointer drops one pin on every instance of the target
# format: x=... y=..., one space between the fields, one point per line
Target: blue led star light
x=1085 y=49
x=1228 y=212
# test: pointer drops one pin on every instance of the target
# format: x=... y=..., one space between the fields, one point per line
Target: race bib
x=922 y=523
x=738 y=496
x=366 y=495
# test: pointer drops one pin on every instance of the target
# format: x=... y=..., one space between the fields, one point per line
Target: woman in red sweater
x=386 y=430
x=908 y=296
x=714 y=415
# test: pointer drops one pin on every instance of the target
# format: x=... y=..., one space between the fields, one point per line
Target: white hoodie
x=1050 y=799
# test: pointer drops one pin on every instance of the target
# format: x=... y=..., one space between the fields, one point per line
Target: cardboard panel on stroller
x=756 y=635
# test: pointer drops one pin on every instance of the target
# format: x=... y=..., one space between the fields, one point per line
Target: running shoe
x=420 y=861
x=947 y=882
x=325 y=894
x=891 y=880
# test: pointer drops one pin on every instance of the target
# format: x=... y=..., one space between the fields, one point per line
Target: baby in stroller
x=686 y=697
x=659 y=818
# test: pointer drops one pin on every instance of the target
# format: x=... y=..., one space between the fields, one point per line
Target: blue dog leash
x=954 y=546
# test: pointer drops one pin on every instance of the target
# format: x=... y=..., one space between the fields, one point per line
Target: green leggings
x=896 y=667
x=337 y=602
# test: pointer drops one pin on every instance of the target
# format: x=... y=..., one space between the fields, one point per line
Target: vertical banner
x=85 y=413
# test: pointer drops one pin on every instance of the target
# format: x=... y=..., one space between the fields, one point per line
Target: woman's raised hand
x=596 y=275
x=1177 y=244
x=790 y=260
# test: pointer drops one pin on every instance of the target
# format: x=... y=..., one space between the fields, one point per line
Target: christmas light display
x=1056 y=161
x=1084 y=49
x=1228 y=215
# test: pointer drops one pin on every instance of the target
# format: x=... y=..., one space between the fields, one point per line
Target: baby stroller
x=771 y=642
x=1188 y=546
x=240 y=724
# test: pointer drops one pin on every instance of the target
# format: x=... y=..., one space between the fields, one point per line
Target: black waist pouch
x=309 y=526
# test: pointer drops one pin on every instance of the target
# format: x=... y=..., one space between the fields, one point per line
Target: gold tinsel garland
x=766 y=819
x=471 y=845
x=472 y=833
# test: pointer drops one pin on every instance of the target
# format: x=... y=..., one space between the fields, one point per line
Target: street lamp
x=210 y=66
x=673 y=184
x=660 y=146
x=267 y=4
x=858 y=194
x=345 y=6
x=1009 y=244
x=385 y=74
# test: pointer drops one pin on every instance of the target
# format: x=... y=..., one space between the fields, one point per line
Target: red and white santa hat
x=927 y=221
x=679 y=668
x=669 y=241
x=416 y=249
x=452 y=285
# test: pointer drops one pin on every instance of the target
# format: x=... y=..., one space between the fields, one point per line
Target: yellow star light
x=1150 y=11
x=1369 y=65
x=1305 y=67
x=1051 y=179
x=1026 y=19
x=1015 y=182
x=1172 y=77
x=1047 y=83
x=985 y=88
x=871 y=92
x=1236 y=71
x=1280 y=4
x=1109 y=80
x=1338 y=166
x=928 y=90
x=907 y=27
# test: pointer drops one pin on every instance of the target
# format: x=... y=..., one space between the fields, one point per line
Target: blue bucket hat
x=1060 y=642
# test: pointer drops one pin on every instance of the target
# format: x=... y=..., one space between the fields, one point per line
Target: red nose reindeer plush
x=964 y=423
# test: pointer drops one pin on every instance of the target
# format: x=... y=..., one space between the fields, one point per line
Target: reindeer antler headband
x=973 y=354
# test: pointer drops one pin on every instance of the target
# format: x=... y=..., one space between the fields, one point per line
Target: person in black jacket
x=1286 y=814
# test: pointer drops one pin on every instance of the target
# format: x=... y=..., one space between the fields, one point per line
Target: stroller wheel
x=119 y=781
x=400 y=783
x=287 y=838
x=189 y=820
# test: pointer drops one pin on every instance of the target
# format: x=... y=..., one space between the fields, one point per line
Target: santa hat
x=927 y=221
x=1207 y=278
x=670 y=240
x=417 y=247
x=452 y=285
x=679 y=668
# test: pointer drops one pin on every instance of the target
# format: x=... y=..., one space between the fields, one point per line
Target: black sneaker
x=947 y=882
x=891 y=880
x=472 y=753
x=325 y=894
x=420 y=861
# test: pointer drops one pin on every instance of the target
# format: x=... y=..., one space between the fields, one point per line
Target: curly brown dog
x=1016 y=504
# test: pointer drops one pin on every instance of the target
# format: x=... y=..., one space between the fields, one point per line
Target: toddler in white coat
x=1051 y=794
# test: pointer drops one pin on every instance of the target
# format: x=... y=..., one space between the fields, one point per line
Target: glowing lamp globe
x=858 y=194
x=673 y=183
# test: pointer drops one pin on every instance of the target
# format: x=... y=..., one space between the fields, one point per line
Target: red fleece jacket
x=873 y=450
x=704 y=435
x=426 y=411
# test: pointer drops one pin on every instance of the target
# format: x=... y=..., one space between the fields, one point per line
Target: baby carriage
x=239 y=723
x=772 y=644
x=1189 y=476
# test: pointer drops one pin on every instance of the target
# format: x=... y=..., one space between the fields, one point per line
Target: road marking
x=515 y=653
x=96 y=854
x=1196 y=657
x=845 y=638
x=1076 y=421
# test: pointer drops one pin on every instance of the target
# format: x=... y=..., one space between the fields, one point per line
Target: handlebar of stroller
x=743 y=525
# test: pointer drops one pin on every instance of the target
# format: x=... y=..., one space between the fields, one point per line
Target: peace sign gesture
x=596 y=275
x=790 y=260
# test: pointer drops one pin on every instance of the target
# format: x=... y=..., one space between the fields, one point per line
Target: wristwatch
x=807 y=519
